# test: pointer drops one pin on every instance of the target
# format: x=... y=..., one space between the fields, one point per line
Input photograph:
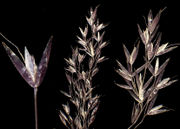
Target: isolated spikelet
x=33 y=74
x=80 y=74
x=142 y=87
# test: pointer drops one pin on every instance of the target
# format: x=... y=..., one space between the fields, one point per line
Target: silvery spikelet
x=32 y=73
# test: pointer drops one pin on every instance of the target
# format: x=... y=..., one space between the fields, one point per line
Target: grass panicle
x=143 y=83
x=81 y=67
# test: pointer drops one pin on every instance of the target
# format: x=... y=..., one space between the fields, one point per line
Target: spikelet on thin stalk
x=143 y=83
x=32 y=73
x=80 y=70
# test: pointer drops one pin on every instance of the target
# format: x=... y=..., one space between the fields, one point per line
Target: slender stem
x=131 y=125
x=140 y=122
x=142 y=109
x=35 y=107
x=135 y=120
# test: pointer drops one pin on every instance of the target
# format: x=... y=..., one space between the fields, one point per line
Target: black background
x=31 y=24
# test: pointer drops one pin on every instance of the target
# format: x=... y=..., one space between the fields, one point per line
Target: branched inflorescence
x=144 y=82
x=80 y=70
